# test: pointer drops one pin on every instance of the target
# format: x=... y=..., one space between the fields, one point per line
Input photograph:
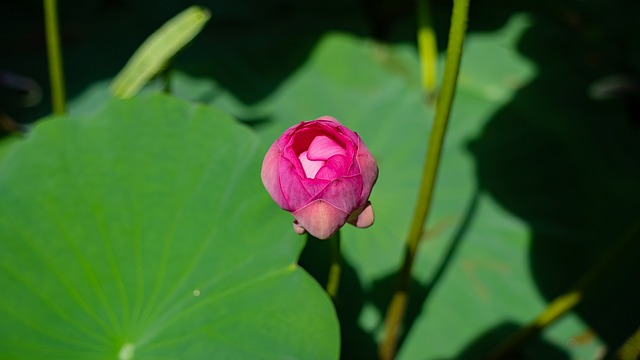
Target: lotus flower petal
x=343 y=193
x=270 y=175
x=287 y=136
x=310 y=167
x=320 y=218
x=302 y=138
x=290 y=184
x=298 y=228
x=329 y=119
x=315 y=186
x=333 y=168
x=368 y=170
x=363 y=217
x=322 y=148
x=289 y=154
x=322 y=173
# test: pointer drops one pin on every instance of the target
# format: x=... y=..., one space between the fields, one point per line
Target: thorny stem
x=398 y=305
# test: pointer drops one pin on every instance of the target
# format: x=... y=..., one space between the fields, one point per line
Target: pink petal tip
x=364 y=218
x=297 y=228
x=320 y=218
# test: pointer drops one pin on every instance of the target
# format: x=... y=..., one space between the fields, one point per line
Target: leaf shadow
x=356 y=342
x=383 y=288
x=566 y=162
x=249 y=47
x=481 y=345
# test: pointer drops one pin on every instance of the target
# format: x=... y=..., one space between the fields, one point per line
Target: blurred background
x=541 y=168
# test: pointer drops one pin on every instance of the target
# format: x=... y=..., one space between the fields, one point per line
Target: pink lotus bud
x=322 y=173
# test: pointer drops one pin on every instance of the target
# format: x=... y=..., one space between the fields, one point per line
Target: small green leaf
x=158 y=49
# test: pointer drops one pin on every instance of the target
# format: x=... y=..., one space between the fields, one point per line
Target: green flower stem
x=630 y=350
x=56 y=74
x=397 y=307
x=427 y=48
x=166 y=78
x=333 y=281
x=567 y=301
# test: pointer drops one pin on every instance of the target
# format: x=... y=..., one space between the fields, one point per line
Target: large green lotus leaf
x=476 y=252
x=6 y=144
x=143 y=232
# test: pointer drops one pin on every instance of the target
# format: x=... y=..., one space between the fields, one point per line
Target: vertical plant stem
x=427 y=48
x=333 y=281
x=56 y=74
x=630 y=350
x=567 y=301
x=397 y=307
x=166 y=78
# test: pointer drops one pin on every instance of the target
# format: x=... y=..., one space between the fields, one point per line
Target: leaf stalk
x=397 y=308
x=335 y=268
x=56 y=74
x=569 y=300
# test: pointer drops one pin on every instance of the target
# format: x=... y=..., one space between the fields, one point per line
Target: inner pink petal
x=333 y=168
x=323 y=147
x=310 y=167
